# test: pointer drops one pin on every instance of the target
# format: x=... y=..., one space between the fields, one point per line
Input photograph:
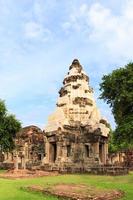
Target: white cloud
x=101 y=26
x=4 y=8
x=76 y=19
x=128 y=10
x=33 y=30
x=114 y=32
x=35 y=18
x=38 y=10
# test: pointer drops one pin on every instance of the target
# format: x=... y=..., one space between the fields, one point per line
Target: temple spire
x=76 y=102
x=75 y=64
x=75 y=129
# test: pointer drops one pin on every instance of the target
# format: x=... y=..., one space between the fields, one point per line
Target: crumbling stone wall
x=30 y=149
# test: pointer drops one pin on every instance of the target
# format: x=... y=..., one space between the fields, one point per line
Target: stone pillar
x=96 y=149
x=47 y=151
x=26 y=151
x=5 y=156
x=16 y=162
x=107 y=147
x=104 y=153
x=58 y=151
x=23 y=163
x=64 y=153
x=10 y=156
x=120 y=157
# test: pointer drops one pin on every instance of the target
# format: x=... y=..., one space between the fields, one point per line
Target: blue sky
x=40 y=38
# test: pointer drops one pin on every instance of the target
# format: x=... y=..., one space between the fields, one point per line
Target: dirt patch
x=17 y=174
x=78 y=192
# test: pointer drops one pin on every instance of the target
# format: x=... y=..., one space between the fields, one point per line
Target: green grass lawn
x=12 y=189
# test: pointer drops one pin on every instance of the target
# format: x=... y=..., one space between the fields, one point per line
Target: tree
x=9 y=126
x=112 y=145
x=117 y=90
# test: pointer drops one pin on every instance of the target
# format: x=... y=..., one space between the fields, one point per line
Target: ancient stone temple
x=76 y=137
x=29 y=151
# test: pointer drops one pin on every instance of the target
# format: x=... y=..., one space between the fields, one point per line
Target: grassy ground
x=11 y=189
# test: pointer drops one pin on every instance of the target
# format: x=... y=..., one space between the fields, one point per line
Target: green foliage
x=113 y=148
x=2 y=109
x=9 y=126
x=117 y=90
x=124 y=133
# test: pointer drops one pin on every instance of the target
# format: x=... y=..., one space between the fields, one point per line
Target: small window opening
x=87 y=149
x=39 y=157
x=68 y=150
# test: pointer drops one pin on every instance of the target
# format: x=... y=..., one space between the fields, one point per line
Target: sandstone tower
x=76 y=137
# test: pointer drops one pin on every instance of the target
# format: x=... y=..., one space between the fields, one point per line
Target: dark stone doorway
x=87 y=151
x=101 y=152
x=53 y=152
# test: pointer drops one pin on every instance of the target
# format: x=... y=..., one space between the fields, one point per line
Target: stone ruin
x=29 y=151
x=76 y=137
